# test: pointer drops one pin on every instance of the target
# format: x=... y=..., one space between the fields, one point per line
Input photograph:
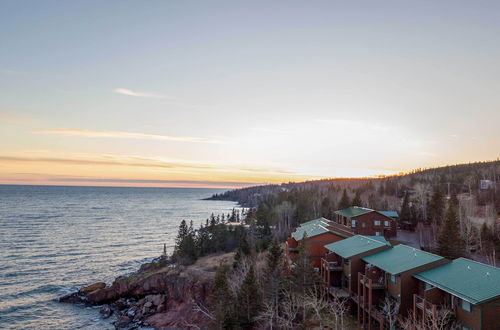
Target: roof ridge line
x=478 y=262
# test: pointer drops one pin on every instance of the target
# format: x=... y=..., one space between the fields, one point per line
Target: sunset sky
x=235 y=93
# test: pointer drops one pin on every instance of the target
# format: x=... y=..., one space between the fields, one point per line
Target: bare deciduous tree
x=290 y=309
x=390 y=307
x=338 y=309
x=441 y=320
x=316 y=301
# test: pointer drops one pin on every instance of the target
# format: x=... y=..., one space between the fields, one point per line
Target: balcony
x=338 y=292
x=372 y=281
x=423 y=305
x=331 y=265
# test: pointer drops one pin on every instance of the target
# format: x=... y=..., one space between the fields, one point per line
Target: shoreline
x=159 y=295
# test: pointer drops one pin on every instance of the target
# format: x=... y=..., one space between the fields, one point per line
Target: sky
x=237 y=93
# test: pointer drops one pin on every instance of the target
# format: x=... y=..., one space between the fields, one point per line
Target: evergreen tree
x=344 y=201
x=450 y=242
x=436 y=205
x=405 y=213
x=249 y=300
x=222 y=301
x=181 y=234
x=326 y=209
x=303 y=275
x=356 y=201
x=275 y=256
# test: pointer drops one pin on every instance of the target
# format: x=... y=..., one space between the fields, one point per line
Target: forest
x=463 y=199
x=456 y=207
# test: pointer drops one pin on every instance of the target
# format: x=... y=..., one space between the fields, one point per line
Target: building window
x=353 y=223
x=387 y=224
x=377 y=233
x=466 y=306
x=466 y=328
x=363 y=224
x=346 y=261
x=376 y=222
x=393 y=278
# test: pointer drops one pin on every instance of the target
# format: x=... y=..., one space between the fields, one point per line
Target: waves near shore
x=54 y=240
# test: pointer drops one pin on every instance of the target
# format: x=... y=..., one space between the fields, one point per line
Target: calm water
x=56 y=239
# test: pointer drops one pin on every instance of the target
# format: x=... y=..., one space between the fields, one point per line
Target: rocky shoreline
x=160 y=295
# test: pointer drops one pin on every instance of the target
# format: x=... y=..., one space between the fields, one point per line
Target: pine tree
x=275 y=256
x=186 y=250
x=356 y=201
x=344 y=201
x=222 y=301
x=450 y=242
x=181 y=235
x=249 y=300
x=303 y=275
x=405 y=214
x=436 y=205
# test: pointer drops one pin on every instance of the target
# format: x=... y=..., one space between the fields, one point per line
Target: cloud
x=149 y=181
x=124 y=135
x=54 y=179
x=124 y=91
x=136 y=161
x=106 y=160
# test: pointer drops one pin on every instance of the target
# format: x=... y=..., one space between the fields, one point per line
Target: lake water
x=54 y=240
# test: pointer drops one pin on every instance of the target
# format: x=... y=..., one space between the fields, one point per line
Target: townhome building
x=387 y=283
x=365 y=221
x=464 y=289
x=317 y=233
x=342 y=263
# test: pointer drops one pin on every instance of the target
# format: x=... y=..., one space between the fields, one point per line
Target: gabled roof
x=318 y=220
x=401 y=258
x=378 y=238
x=390 y=214
x=340 y=229
x=472 y=281
x=311 y=230
x=320 y=226
x=353 y=211
x=355 y=245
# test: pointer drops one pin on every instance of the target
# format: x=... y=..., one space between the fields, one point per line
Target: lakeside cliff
x=159 y=295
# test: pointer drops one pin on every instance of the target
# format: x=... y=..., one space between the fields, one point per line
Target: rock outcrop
x=158 y=295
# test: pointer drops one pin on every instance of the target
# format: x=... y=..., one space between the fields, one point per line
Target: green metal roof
x=318 y=220
x=378 y=238
x=401 y=258
x=353 y=211
x=355 y=245
x=312 y=229
x=319 y=226
x=469 y=280
x=390 y=214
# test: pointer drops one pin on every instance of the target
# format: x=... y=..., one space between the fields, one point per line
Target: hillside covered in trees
x=458 y=204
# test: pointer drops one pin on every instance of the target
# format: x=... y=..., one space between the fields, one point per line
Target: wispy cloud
x=125 y=135
x=128 y=92
x=136 y=161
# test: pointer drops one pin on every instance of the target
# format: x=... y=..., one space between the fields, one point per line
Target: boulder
x=122 y=322
x=92 y=287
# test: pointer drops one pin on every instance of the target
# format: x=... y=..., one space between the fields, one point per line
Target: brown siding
x=409 y=285
x=370 y=229
x=357 y=265
x=491 y=315
x=316 y=246
x=470 y=319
